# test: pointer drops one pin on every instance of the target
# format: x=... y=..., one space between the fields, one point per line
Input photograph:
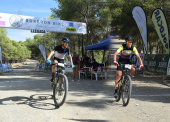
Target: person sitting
x=94 y=65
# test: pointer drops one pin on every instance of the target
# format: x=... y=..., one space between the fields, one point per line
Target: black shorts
x=123 y=62
x=59 y=61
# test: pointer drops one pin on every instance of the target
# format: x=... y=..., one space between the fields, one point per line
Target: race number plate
x=128 y=66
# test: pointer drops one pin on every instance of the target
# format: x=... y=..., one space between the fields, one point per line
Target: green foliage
x=12 y=50
x=101 y=16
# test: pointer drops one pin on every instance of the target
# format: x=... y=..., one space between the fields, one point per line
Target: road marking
x=155 y=95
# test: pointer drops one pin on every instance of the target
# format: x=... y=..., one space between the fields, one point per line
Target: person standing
x=75 y=63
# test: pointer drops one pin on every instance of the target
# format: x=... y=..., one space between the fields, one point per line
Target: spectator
x=75 y=63
x=94 y=65
x=81 y=62
x=78 y=62
x=86 y=60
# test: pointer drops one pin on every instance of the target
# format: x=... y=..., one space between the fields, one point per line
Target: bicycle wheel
x=127 y=89
x=119 y=92
x=60 y=90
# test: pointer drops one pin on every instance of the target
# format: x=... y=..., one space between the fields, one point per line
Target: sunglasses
x=129 y=42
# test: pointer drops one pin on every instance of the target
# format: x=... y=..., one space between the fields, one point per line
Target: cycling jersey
x=60 y=52
x=126 y=52
x=125 y=55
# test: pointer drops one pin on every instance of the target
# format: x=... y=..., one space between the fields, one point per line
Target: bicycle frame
x=58 y=70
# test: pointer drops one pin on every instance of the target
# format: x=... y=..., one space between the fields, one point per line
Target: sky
x=34 y=8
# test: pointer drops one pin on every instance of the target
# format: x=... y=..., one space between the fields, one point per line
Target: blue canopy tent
x=103 y=45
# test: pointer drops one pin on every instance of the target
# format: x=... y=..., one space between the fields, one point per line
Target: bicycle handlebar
x=59 y=64
x=123 y=65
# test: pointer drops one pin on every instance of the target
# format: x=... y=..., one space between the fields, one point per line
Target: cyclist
x=126 y=50
x=59 y=54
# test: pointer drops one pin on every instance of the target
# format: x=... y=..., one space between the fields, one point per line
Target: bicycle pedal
x=60 y=93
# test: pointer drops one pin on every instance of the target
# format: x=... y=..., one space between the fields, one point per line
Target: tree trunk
x=150 y=47
x=78 y=45
x=103 y=56
x=158 y=47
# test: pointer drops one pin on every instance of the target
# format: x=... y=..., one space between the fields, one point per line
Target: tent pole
x=82 y=46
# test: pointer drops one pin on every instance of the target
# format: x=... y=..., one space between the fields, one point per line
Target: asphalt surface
x=26 y=96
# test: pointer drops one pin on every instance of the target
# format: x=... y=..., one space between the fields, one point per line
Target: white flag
x=140 y=18
x=42 y=49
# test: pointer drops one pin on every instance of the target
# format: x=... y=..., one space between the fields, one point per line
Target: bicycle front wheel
x=60 y=90
x=119 y=92
x=127 y=89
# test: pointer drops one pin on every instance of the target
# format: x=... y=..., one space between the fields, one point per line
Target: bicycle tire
x=56 y=91
x=127 y=89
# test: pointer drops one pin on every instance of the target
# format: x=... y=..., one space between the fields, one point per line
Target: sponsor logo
x=163 y=64
x=153 y=57
x=2 y=23
x=16 y=21
x=71 y=24
x=37 y=21
x=71 y=29
x=161 y=28
x=37 y=31
x=152 y=63
x=139 y=16
x=80 y=25
x=43 y=22
x=0 y=17
x=57 y=23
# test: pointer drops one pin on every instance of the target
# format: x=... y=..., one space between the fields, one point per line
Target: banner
x=0 y=55
x=142 y=56
x=42 y=49
x=28 y=22
x=160 y=24
x=140 y=18
x=134 y=59
x=157 y=63
x=168 y=68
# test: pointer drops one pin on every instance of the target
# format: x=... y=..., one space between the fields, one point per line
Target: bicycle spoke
x=127 y=88
x=60 y=92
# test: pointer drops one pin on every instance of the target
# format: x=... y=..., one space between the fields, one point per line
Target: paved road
x=26 y=96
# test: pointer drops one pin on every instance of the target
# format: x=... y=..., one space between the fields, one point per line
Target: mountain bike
x=125 y=84
x=60 y=85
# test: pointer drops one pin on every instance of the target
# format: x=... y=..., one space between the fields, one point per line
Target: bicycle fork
x=122 y=84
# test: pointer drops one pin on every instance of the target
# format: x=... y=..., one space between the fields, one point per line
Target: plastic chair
x=82 y=71
x=106 y=70
x=98 y=72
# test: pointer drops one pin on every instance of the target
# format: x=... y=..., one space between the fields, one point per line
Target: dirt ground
x=26 y=96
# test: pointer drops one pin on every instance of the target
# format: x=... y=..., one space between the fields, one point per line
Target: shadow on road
x=38 y=101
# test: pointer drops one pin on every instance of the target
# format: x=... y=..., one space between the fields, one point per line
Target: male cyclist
x=59 y=54
x=126 y=50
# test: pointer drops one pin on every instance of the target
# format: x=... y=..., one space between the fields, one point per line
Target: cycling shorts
x=59 y=61
x=120 y=68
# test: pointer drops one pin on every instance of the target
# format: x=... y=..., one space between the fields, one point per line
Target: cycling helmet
x=65 y=39
x=128 y=38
